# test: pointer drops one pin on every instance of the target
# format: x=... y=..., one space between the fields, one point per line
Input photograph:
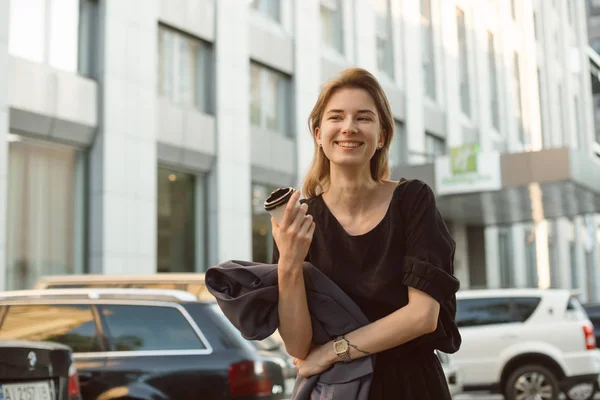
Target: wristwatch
x=342 y=349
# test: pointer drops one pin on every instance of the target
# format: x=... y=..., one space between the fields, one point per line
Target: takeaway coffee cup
x=276 y=202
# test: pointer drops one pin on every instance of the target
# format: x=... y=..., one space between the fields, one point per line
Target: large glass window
x=185 y=69
x=398 y=153
x=149 y=328
x=493 y=81
x=427 y=50
x=270 y=8
x=262 y=239
x=45 y=31
x=71 y=324
x=463 y=62
x=434 y=146
x=46 y=211
x=176 y=225
x=385 y=42
x=597 y=117
x=332 y=25
x=270 y=99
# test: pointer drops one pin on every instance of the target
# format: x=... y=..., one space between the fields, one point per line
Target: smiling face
x=350 y=131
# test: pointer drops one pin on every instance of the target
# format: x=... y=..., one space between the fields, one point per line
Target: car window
x=143 y=328
x=522 y=307
x=72 y=325
x=484 y=311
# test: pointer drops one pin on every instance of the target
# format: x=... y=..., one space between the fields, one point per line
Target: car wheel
x=532 y=382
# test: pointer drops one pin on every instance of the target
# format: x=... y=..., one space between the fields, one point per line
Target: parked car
x=146 y=344
x=194 y=283
x=526 y=342
x=37 y=371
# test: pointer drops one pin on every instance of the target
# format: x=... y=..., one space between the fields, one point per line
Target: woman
x=383 y=242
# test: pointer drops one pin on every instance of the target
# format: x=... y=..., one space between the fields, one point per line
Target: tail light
x=74 y=392
x=249 y=378
x=590 y=338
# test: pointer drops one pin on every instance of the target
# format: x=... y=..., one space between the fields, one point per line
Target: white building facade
x=143 y=135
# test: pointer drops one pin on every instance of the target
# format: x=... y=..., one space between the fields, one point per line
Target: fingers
x=297 y=224
x=290 y=210
x=306 y=224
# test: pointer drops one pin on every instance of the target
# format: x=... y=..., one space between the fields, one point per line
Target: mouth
x=350 y=145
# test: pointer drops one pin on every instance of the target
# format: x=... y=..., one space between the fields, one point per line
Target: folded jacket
x=247 y=293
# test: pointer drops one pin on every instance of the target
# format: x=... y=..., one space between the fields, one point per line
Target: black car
x=37 y=371
x=146 y=344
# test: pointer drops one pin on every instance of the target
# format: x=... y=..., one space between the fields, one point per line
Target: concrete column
x=230 y=217
x=4 y=11
x=123 y=156
x=306 y=77
x=413 y=79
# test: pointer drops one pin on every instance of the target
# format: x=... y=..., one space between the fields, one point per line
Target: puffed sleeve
x=429 y=257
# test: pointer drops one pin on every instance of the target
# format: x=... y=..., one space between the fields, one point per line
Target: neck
x=351 y=190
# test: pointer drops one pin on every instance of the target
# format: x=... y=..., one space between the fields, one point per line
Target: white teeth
x=350 y=145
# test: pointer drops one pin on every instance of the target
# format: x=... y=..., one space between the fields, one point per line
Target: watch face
x=340 y=347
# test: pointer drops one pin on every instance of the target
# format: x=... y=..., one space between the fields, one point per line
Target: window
x=72 y=325
x=463 y=63
x=597 y=117
x=385 y=43
x=428 y=51
x=493 y=81
x=434 y=146
x=523 y=308
x=46 y=214
x=398 y=153
x=574 y=263
x=513 y=11
x=332 y=24
x=518 y=101
x=562 y=118
x=270 y=99
x=491 y=311
x=477 y=312
x=262 y=238
x=546 y=139
x=270 y=8
x=596 y=45
x=507 y=278
x=45 y=31
x=148 y=328
x=176 y=224
x=185 y=69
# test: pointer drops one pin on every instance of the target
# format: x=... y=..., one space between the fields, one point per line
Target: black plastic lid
x=278 y=197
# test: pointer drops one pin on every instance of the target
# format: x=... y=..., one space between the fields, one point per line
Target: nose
x=349 y=127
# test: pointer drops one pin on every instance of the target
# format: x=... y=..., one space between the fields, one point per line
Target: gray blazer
x=247 y=293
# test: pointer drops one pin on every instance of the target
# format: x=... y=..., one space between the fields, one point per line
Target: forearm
x=400 y=327
x=295 y=325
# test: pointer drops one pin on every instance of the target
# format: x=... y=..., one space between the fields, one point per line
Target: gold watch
x=341 y=347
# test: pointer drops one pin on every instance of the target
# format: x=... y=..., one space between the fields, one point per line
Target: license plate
x=26 y=391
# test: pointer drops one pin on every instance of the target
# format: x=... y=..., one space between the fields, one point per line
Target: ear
x=382 y=138
x=318 y=135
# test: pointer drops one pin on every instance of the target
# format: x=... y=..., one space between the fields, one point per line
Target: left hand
x=318 y=360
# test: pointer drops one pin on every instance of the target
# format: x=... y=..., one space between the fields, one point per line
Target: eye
x=335 y=117
x=365 y=119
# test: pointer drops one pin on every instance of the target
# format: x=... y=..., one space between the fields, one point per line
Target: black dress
x=411 y=246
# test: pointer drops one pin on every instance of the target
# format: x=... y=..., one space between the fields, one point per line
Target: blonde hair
x=317 y=179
